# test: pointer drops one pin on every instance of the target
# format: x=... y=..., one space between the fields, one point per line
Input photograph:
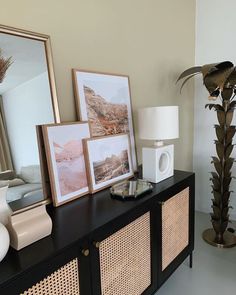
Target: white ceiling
x=28 y=56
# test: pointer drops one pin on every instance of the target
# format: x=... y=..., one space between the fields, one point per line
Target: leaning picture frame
x=104 y=100
x=108 y=160
x=66 y=161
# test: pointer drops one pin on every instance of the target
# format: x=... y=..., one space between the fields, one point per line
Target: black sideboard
x=101 y=245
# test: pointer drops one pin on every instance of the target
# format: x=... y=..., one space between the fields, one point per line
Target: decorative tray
x=130 y=189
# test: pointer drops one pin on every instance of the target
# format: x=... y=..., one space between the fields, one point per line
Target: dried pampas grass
x=4 y=65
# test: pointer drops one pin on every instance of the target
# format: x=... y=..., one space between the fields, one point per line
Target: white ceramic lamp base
x=158 y=163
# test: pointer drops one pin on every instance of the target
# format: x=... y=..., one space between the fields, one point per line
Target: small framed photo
x=104 y=100
x=66 y=161
x=108 y=160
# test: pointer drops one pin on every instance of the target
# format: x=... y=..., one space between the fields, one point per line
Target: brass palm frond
x=217 y=78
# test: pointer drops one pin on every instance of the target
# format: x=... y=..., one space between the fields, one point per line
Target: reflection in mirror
x=27 y=99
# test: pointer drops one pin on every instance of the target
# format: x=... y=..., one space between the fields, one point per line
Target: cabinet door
x=67 y=273
x=176 y=230
x=122 y=261
x=64 y=280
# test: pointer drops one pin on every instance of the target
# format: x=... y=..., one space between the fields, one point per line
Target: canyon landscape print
x=105 y=118
x=111 y=167
x=70 y=166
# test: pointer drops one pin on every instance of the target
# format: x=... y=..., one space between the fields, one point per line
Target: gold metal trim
x=52 y=81
x=229 y=239
x=23 y=33
x=85 y=252
x=96 y=244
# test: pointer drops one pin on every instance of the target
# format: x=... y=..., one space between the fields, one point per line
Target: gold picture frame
x=48 y=52
x=12 y=33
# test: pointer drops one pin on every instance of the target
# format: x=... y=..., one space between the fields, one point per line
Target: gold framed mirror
x=28 y=98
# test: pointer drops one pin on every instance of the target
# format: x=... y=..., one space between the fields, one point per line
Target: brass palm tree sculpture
x=220 y=81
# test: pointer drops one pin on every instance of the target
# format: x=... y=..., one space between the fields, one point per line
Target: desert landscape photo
x=111 y=167
x=70 y=166
x=105 y=118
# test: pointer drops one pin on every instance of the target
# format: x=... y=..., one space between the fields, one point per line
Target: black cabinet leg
x=191 y=260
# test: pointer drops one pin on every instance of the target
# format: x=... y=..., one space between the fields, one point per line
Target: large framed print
x=104 y=100
x=108 y=160
x=66 y=161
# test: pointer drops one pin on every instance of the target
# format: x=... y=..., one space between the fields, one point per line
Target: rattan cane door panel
x=64 y=281
x=175 y=226
x=125 y=259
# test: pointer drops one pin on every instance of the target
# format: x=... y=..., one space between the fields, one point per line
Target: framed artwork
x=66 y=162
x=104 y=101
x=108 y=160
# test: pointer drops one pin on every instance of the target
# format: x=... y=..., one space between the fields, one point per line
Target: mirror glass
x=27 y=99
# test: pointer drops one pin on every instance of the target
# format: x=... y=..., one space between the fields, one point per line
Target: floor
x=213 y=272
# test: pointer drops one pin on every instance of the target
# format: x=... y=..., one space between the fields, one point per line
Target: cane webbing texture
x=64 y=281
x=125 y=259
x=175 y=226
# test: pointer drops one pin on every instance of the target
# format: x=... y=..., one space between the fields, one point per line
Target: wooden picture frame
x=66 y=161
x=104 y=100
x=108 y=160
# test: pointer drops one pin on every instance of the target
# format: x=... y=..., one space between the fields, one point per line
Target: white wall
x=151 y=41
x=215 y=42
x=25 y=106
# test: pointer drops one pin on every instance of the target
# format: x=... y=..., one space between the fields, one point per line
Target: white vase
x=5 y=210
x=5 y=241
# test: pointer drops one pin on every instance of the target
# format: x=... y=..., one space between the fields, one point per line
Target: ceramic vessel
x=5 y=210
x=29 y=226
x=5 y=241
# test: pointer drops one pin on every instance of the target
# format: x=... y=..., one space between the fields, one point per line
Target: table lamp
x=158 y=124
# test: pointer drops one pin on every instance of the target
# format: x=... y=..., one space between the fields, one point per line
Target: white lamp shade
x=158 y=123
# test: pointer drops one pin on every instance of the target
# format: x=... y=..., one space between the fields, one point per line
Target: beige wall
x=152 y=41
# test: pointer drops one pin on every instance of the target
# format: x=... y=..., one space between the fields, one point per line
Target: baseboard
x=232 y=216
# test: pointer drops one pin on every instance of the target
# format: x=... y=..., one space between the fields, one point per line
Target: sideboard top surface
x=75 y=221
